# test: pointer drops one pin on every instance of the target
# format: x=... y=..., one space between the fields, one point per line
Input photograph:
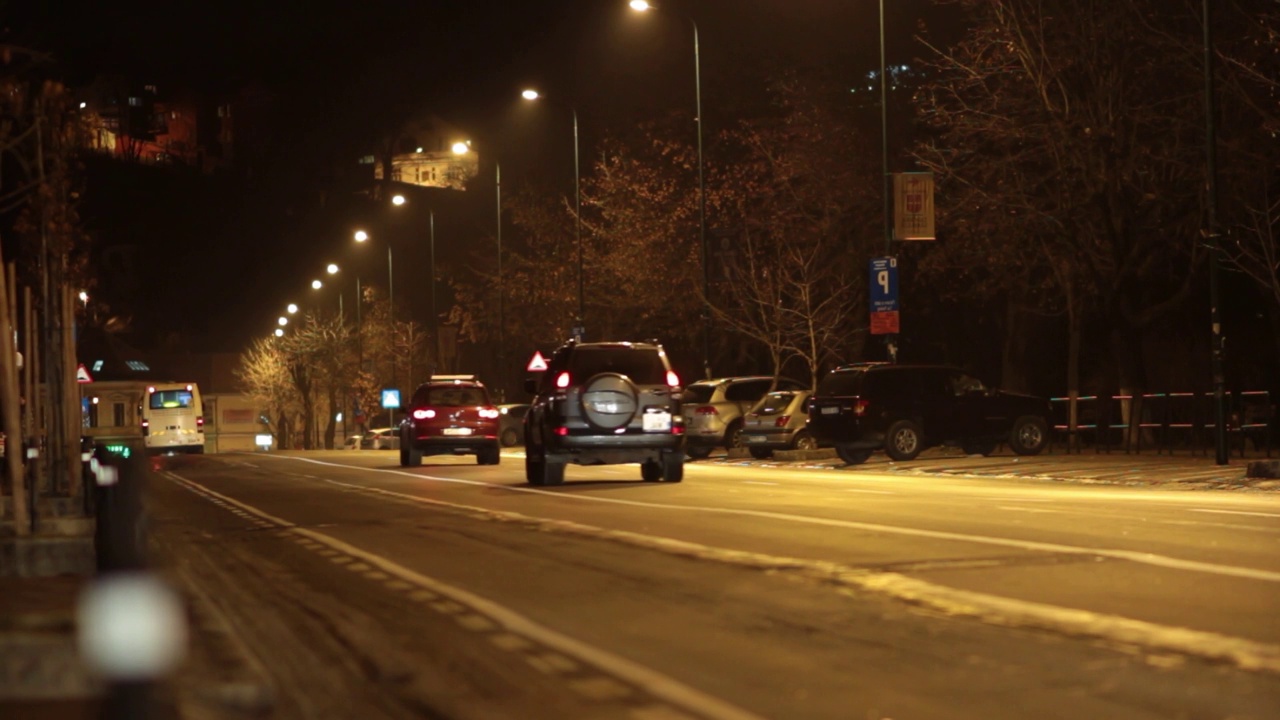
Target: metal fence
x=1164 y=422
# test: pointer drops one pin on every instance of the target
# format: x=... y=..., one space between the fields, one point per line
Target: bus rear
x=173 y=418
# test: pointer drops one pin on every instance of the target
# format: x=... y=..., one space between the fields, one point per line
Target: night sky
x=345 y=70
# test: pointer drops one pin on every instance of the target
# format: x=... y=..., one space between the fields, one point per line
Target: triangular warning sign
x=537 y=363
x=82 y=374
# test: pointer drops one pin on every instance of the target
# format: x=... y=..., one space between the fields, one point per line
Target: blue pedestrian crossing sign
x=390 y=398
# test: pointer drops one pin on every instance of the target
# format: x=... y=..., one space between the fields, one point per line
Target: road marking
x=639 y=676
x=870 y=492
x=1236 y=512
x=1025 y=509
x=757 y=482
x=1030 y=545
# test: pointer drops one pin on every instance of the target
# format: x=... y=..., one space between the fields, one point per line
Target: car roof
x=735 y=378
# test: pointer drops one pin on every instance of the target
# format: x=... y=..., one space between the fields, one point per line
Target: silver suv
x=605 y=403
x=714 y=409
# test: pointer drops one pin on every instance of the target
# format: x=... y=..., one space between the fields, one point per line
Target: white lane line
x=1025 y=509
x=1236 y=512
x=651 y=681
x=757 y=482
x=1031 y=545
x=870 y=492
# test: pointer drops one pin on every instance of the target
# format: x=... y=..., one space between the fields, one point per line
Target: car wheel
x=650 y=471
x=733 y=436
x=415 y=455
x=978 y=447
x=510 y=437
x=804 y=441
x=608 y=401
x=851 y=455
x=491 y=455
x=903 y=441
x=1029 y=435
x=533 y=470
x=698 y=452
x=673 y=467
x=761 y=453
x=404 y=456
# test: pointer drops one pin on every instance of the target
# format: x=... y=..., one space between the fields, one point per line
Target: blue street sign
x=390 y=398
x=883 y=282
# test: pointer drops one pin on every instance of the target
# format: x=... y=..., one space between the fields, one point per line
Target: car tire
x=979 y=447
x=673 y=467
x=622 y=396
x=510 y=437
x=761 y=453
x=650 y=471
x=1029 y=436
x=698 y=452
x=491 y=455
x=804 y=441
x=852 y=455
x=733 y=435
x=903 y=441
x=415 y=456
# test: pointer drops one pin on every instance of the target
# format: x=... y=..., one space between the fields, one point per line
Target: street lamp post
x=579 y=323
x=362 y=236
x=643 y=6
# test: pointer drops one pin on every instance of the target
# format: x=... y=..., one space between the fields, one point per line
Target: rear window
x=171 y=399
x=699 y=393
x=452 y=396
x=644 y=367
x=775 y=402
x=841 y=383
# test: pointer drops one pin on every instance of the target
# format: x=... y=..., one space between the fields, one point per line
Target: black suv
x=605 y=403
x=906 y=408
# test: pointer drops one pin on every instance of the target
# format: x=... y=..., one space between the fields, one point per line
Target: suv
x=716 y=409
x=906 y=408
x=450 y=415
x=605 y=403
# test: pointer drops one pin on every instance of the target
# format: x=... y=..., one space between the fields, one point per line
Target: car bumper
x=442 y=445
x=772 y=439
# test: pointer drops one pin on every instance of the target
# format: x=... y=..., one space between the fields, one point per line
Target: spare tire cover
x=609 y=401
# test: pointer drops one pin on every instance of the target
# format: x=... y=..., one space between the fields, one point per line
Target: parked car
x=714 y=409
x=450 y=415
x=511 y=423
x=605 y=403
x=906 y=408
x=778 y=422
x=380 y=439
x=353 y=442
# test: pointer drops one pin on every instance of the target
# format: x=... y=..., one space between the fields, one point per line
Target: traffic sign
x=82 y=374
x=537 y=363
x=883 y=285
x=390 y=398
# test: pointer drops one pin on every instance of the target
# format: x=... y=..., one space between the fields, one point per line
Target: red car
x=450 y=415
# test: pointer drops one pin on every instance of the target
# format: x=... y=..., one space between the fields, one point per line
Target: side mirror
x=531 y=386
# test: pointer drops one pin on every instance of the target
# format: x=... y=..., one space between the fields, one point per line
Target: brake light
x=782 y=420
x=562 y=380
x=491 y=413
x=707 y=410
x=673 y=380
x=146 y=428
x=860 y=407
x=199 y=421
x=562 y=431
x=421 y=414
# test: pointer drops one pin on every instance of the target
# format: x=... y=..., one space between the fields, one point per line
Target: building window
x=117 y=412
x=135 y=102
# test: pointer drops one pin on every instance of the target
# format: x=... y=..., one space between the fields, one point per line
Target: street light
x=431 y=269
x=462 y=148
x=283 y=321
x=578 y=325
x=643 y=6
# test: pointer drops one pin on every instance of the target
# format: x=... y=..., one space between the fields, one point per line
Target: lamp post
x=578 y=325
x=399 y=200
x=644 y=6
x=462 y=148
x=362 y=236
x=1218 y=342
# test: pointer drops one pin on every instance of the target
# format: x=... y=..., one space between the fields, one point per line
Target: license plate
x=657 y=421
x=457 y=431
x=753 y=438
x=831 y=410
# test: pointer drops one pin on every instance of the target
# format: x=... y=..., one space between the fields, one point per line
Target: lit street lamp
x=462 y=148
x=578 y=325
x=643 y=6
x=431 y=270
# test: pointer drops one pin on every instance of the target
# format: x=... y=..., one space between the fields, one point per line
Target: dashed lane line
x=559 y=654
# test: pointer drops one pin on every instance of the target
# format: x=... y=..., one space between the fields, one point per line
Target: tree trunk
x=1126 y=352
x=1073 y=371
x=1013 y=373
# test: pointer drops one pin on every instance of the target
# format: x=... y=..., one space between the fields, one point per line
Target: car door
x=969 y=416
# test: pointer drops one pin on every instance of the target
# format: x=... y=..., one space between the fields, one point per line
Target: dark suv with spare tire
x=605 y=403
x=904 y=409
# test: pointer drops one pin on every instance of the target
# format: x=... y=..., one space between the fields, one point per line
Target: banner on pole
x=913 y=206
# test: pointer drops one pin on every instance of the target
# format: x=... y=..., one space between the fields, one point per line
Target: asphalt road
x=339 y=585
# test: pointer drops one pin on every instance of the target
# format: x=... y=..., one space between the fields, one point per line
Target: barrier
x=1167 y=421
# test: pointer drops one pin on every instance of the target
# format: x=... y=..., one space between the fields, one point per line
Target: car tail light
x=860 y=407
x=673 y=380
x=707 y=410
x=562 y=380
x=199 y=421
x=421 y=414
x=782 y=420
x=488 y=412
x=146 y=428
x=562 y=431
